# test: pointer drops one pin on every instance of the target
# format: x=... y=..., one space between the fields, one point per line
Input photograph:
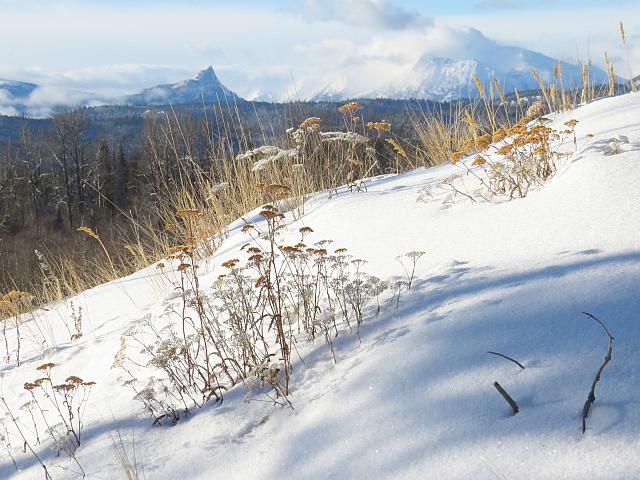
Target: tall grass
x=216 y=165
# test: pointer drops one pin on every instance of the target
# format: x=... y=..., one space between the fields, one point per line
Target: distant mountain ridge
x=433 y=77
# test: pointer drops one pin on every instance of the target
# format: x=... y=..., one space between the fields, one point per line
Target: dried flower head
x=350 y=108
x=479 y=160
x=379 y=127
x=535 y=109
x=456 y=156
x=312 y=123
x=230 y=263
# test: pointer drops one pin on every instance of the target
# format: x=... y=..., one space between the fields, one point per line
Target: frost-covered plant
x=246 y=327
x=410 y=268
x=507 y=163
x=61 y=407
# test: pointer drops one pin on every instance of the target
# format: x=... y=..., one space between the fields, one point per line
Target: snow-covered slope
x=413 y=398
x=205 y=86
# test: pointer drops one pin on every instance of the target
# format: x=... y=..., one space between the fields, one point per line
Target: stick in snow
x=508 y=358
x=507 y=397
x=592 y=393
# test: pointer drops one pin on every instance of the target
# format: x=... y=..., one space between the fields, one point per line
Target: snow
x=413 y=398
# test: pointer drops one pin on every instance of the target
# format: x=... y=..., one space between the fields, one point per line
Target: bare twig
x=592 y=393
x=507 y=397
x=508 y=358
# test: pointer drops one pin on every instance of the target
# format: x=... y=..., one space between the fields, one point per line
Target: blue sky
x=260 y=47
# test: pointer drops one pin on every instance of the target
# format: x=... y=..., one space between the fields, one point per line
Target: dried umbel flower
x=456 y=156
x=535 y=109
x=312 y=123
x=183 y=249
x=46 y=366
x=183 y=266
x=89 y=232
x=64 y=387
x=499 y=134
x=270 y=212
x=483 y=142
x=379 y=127
x=230 y=263
x=571 y=123
x=479 y=160
x=350 y=108
x=74 y=380
x=256 y=258
x=505 y=149
x=415 y=255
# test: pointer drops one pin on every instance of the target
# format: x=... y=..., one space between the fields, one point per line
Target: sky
x=280 y=47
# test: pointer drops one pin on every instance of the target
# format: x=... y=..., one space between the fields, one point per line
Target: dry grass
x=226 y=179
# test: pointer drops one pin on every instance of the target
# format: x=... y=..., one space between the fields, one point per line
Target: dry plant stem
x=507 y=397
x=26 y=443
x=592 y=393
x=508 y=358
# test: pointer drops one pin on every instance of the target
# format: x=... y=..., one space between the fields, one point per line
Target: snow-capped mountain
x=436 y=79
x=443 y=78
x=450 y=59
x=205 y=86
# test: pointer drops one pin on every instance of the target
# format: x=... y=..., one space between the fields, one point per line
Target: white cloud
x=375 y=14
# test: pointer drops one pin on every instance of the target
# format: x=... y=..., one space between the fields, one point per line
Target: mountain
x=445 y=70
x=205 y=86
x=23 y=98
x=444 y=78
x=436 y=79
x=16 y=90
